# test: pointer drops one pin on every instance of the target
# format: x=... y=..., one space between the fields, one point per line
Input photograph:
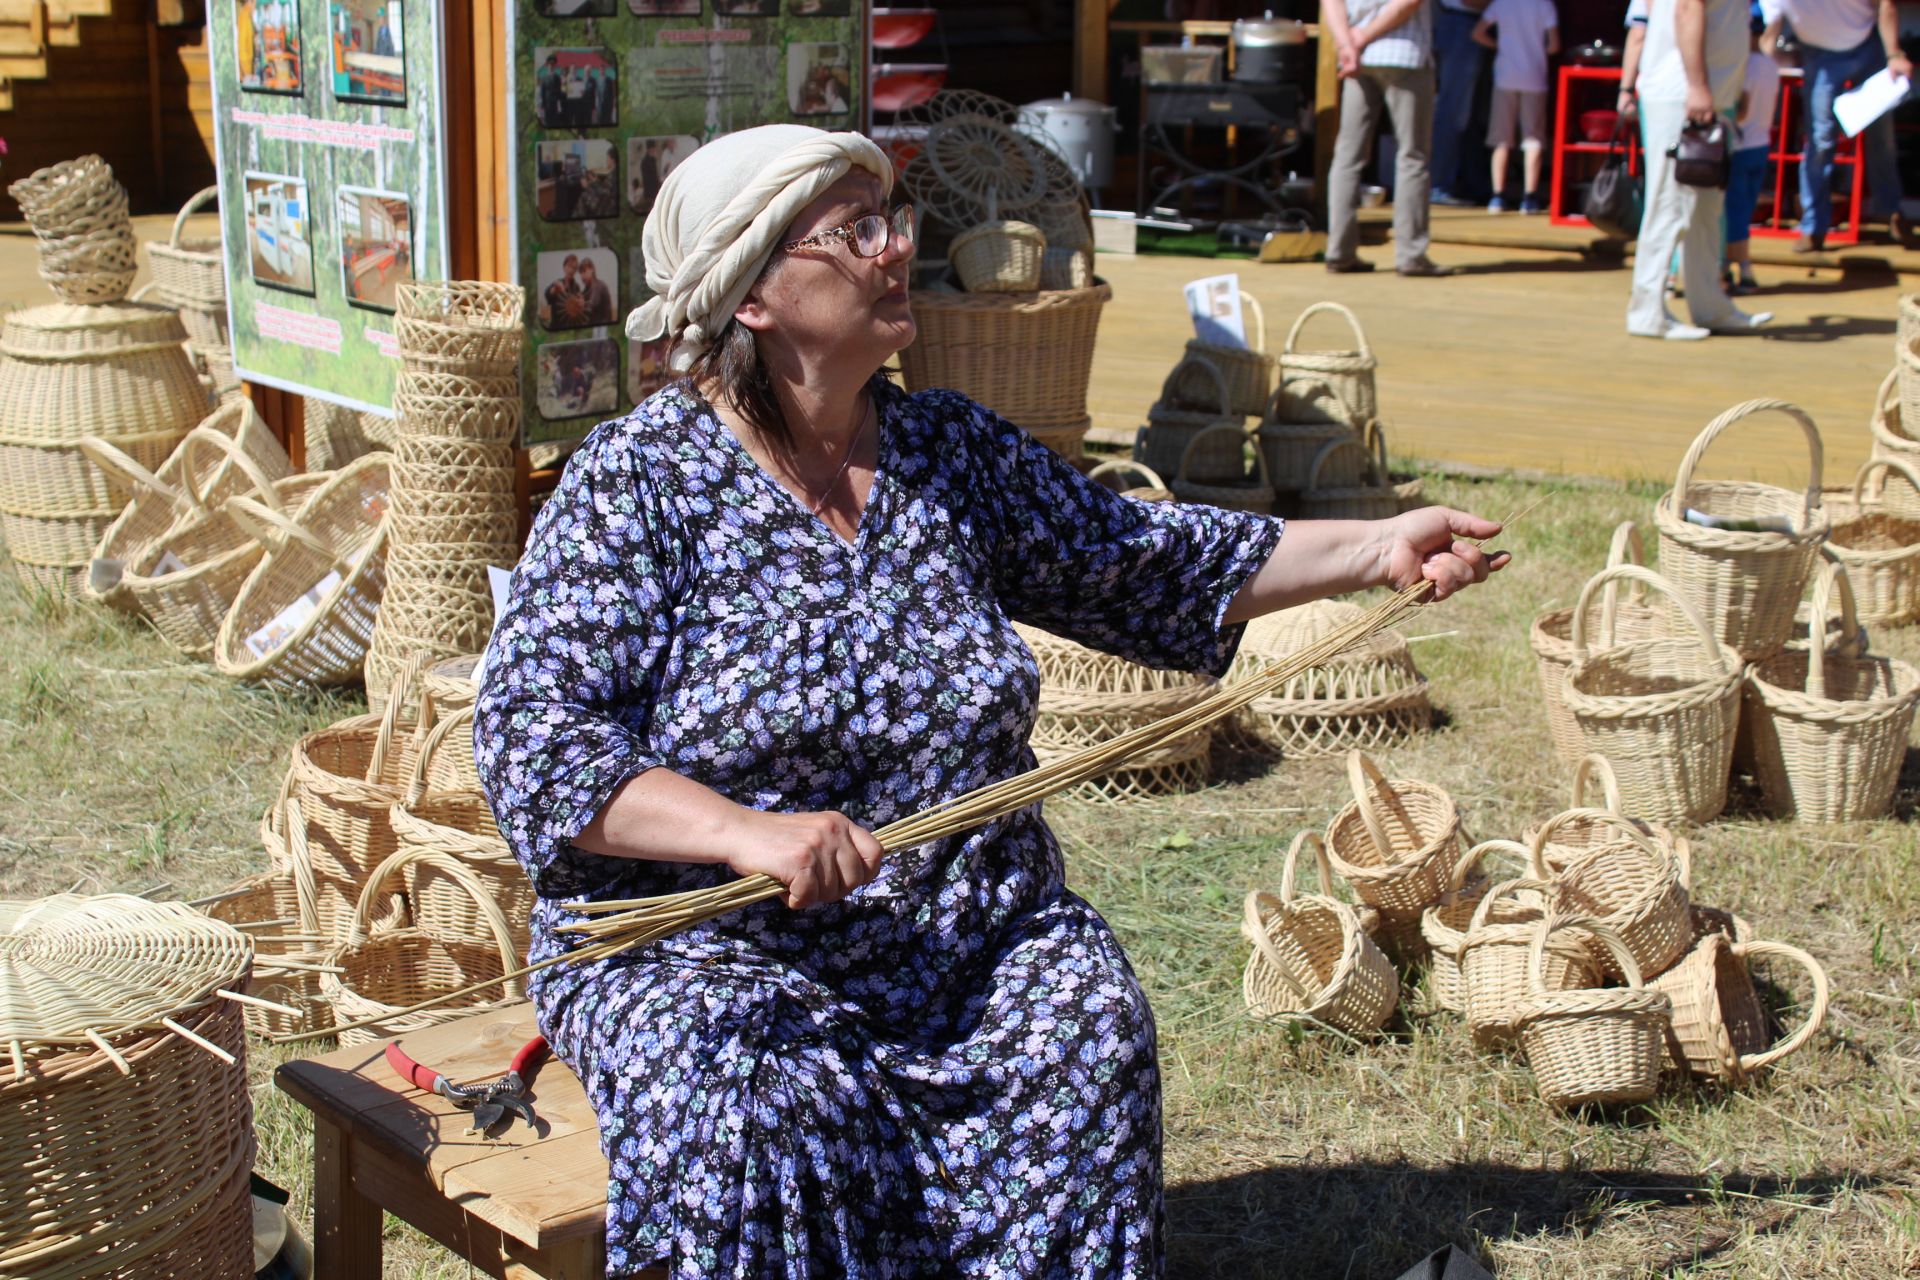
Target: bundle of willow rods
x=625 y=924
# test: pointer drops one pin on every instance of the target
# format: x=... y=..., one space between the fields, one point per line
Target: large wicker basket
x=1248 y=369
x=1027 y=357
x=1663 y=711
x=1745 y=583
x=1593 y=1045
x=1880 y=547
x=1350 y=373
x=1366 y=698
x=1720 y=1029
x=1395 y=843
x=1312 y=960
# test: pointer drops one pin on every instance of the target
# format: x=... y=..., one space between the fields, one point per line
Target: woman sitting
x=770 y=610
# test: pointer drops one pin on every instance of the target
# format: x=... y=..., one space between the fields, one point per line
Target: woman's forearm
x=661 y=816
x=1318 y=558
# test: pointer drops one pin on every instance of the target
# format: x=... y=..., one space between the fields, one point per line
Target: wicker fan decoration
x=77 y=970
x=974 y=164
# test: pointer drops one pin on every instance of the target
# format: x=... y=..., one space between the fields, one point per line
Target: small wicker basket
x=1350 y=373
x=1395 y=843
x=277 y=910
x=1151 y=489
x=1296 y=425
x=1593 y=1045
x=1248 y=370
x=1495 y=959
x=1444 y=925
x=1371 y=499
x=998 y=257
x=1893 y=438
x=1584 y=827
x=1172 y=425
x=1312 y=959
x=1880 y=548
x=1719 y=1027
x=78 y=213
x=1634 y=885
x=1409 y=488
x=191 y=274
x=1232 y=490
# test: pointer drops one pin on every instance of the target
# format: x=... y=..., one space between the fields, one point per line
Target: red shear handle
x=530 y=1056
x=412 y=1072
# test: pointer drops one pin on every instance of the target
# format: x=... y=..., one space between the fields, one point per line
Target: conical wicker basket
x=1444 y=925
x=998 y=257
x=1394 y=843
x=1247 y=370
x=1232 y=491
x=1296 y=425
x=1369 y=697
x=380 y=974
x=1172 y=425
x=1495 y=959
x=1745 y=583
x=1880 y=548
x=1593 y=1045
x=1150 y=489
x=1829 y=730
x=1350 y=373
x=1026 y=356
x=1634 y=885
x=1663 y=711
x=191 y=274
x=1370 y=499
x=1584 y=827
x=1311 y=958
x=1719 y=1027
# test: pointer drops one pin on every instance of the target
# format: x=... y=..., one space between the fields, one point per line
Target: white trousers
x=1676 y=216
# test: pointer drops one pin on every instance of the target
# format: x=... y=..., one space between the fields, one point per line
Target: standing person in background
x=1458 y=61
x=1750 y=162
x=1529 y=35
x=1385 y=48
x=1630 y=49
x=1842 y=42
x=1692 y=71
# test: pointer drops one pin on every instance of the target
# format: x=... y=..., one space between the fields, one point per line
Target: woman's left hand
x=1430 y=545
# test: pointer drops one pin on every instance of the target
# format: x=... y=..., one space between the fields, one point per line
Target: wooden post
x=1090 y=48
x=1326 y=112
x=346 y=1225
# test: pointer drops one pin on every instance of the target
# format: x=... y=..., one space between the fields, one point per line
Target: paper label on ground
x=1858 y=108
x=1214 y=304
x=168 y=563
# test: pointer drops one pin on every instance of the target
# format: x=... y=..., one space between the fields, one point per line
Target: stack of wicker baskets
x=1369 y=697
x=78 y=213
x=454 y=507
x=189 y=275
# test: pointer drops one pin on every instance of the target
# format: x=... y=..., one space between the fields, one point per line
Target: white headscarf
x=720 y=215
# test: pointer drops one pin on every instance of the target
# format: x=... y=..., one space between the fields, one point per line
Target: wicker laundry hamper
x=1369 y=697
x=1234 y=490
x=1151 y=488
x=1635 y=885
x=1395 y=843
x=1593 y=1045
x=1745 y=583
x=1663 y=711
x=1409 y=488
x=78 y=213
x=1880 y=548
x=1248 y=370
x=1372 y=498
x=1444 y=924
x=1312 y=960
x=1088 y=697
x=1350 y=373
x=1584 y=827
x=1496 y=964
x=124 y=1108
x=330 y=553
x=1719 y=1027
x=375 y=975
x=1829 y=730
x=1173 y=423
x=1296 y=425
x=1026 y=356
x=1001 y=256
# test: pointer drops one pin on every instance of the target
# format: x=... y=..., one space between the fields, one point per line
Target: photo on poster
x=576 y=378
x=819 y=79
x=365 y=38
x=573 y=8
x=578 y=288
x=576 y=179
x=575 y=88
x=268 y=45
x=819 y=8
x=376 y=245
x=747 y=8
x=649 y=161
x=664 y=8
x=279 y=232
x=647 y=369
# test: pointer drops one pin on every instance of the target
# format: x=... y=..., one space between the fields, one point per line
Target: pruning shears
x=491 y=1101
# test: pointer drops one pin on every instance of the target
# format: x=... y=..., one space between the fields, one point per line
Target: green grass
x=1287 y=1154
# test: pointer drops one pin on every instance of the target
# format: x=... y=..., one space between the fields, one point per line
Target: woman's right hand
x=820 y=857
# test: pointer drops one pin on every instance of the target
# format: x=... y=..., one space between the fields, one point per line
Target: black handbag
x=1614 y=199
x=1703 y=157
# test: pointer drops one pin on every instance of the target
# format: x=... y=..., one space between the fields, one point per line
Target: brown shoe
x=1349 y=266
x=1900 y=230
x=1810 y=244
x=1424 y=267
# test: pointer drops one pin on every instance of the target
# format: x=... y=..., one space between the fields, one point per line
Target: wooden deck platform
x=1523 y=359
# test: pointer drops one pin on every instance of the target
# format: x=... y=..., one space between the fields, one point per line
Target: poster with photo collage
x=329 y=133
x=609 y=96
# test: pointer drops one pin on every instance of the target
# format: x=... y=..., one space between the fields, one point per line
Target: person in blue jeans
x=1460 y=61
x=1842 y=42
x=1754 y=136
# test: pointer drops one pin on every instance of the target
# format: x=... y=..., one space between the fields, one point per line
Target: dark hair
x=732 y=365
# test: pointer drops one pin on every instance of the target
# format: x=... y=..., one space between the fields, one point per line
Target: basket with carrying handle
x=1172 y=425
x=1394 y=842
x=373 y=975
x=1495 y=959
x=1237 y=492
x=1409 y=488
x=1893 y=438
x=1880 y=548
x=1349 y=373
x=1719 y=1029
x=1312 y=959
x=999 y=256
x=1247 y=370
x=1746 y=583
x=1371 y=499
x=1634 y=885
x=446 y=688
x=1663 y=710
x=1909 y=319
x=1829 y=730
x=190 y=274
x=1583 y=826
x=1368 y=697
x=1444 y=924
x=1026 y=356
x=1296 y=426
x=1592 y=1045
x=1151 y=488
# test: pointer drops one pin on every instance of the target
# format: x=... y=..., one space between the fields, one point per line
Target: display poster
x=609 y=96
x=328 y=127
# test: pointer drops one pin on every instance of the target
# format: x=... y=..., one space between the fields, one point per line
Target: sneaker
x=1742 y=321
x=1496 y=205
x=1675 y=332
x=1742 y=286
x=1452 y=201
x=1532 y=204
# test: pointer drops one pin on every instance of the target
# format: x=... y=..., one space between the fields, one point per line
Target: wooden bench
x=522 y=1207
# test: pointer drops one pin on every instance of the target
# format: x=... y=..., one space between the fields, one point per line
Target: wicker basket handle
x=1248 y=301
x=1594 y=765
x=205 y=437
x=1457 y=878
x=1291 y=868
x=193 y=204
x=1293 y=334
x=1501 y=890
x=275 y=531
x=219 y=423
x=1636 y=573
x=1816 y=1014
x=417 y=783
x=1886 y=400
x=399 y=692
x=1365 y=778
x=1186 y=454
x=119 y=466
x=1254 y=925
x=1551 y=924
x=1536 y=850
x=1882 y=464
x=1168 y=395
x=1625 y=547
x=1311 y=390
x=1832 y=580
x=446 y=864
x=1332 y=447
x=1684 y=480
x=306 y=893
x=1122 y=466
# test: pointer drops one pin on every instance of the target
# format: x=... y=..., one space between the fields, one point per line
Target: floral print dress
x=952 y=1072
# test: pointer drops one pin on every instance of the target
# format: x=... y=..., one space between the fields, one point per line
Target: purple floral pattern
x=952 y=1071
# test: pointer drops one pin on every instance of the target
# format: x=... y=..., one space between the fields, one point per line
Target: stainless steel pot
x=1270 y=50
x=1080 y=129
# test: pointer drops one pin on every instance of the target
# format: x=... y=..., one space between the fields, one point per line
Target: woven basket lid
x=1277 y=635
x=63 y=332
x=73 y=964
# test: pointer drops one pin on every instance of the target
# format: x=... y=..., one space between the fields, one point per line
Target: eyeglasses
x=868 y=236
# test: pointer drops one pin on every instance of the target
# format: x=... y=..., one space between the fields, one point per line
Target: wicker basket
x=1172 y=425
x=1892 y=438
x=1409 y=488
x=379 y=974
x=1248 y=370
x=190 y=274
x=1663 y=711
x=1593 y=1045
x=111 y=371
x=457 y=408
x=1312 y=960
x=1584 y=827
x=1350 y=373
x=1495 y=959
x=335 y=436
x=998 y=257
x=1444 y=925
x=1880 y=549
x=1026 y=356
x=1909 y=319
x=1152 y=488
x=458 y=343
x=335 y=545
x=1368 y=697
x=78 y=213
x=1373 y=499
x=1746 y=583
x=1719 y=1028
x=1068 y=441
x=1294 y=428
x=1394 y=843
x=1635 y=885
x=1066 y=267
x=277 y=909
x=1233 y=492
x=453 y=767
x=1829 y=730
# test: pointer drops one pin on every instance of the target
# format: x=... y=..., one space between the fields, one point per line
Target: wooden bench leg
x=346 y=1225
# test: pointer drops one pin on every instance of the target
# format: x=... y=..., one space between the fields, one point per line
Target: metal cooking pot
x=1597 y=54
x=1080 y=129
x=1270 y=50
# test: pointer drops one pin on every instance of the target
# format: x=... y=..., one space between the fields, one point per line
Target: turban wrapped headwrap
x=721 y=214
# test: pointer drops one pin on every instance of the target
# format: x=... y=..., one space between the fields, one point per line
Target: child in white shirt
x=1529 y=35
